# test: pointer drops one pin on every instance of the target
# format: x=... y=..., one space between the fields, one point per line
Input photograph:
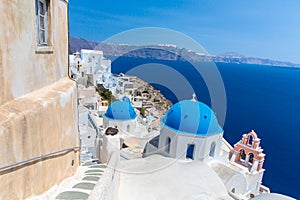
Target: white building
x=75 y=65
x=93 y=63
x=93 y=60
x=125 y=84
x=190 y=131
x=88 y=97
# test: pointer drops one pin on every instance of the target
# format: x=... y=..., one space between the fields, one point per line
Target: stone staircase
x=90 y=174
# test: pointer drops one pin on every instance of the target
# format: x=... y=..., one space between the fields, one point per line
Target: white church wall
x=237 y=184
x=254 y=181
x=124 y=126
x=183 y=141
x=217 y=138
x=165 y=135
x=180 y=142
x=151 y=150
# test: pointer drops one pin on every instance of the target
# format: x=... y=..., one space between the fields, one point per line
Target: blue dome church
x=190 y=130
x=121 y=115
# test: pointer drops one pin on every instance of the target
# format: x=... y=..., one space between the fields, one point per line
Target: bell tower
x=247 y=152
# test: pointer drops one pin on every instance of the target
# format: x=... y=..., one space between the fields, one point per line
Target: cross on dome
x=194 y=97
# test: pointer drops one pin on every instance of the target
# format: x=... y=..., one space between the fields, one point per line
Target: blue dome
x=120 y=110
x=192 y=117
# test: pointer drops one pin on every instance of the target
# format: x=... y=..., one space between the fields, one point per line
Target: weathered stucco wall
x=23 y=68
x=40 y=122
x=38 y=105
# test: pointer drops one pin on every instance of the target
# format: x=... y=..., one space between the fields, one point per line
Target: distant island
x=169 y=52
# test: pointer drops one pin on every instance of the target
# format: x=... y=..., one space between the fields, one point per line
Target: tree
x=143 y=111
x=106 y=94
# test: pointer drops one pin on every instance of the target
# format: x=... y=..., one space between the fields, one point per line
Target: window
x=42 y=8
x=128 y=128
x=168 y=143
x=155 y=141
x=212 y=149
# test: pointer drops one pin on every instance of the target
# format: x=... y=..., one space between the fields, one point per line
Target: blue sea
x=263 y=98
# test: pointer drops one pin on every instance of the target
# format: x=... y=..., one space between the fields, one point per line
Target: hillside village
x=98 y=87
x=70 y=129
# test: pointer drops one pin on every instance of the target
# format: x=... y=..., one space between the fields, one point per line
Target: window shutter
x=46 y=22
x=36 y=7
x=37 y=21
x=42 y=21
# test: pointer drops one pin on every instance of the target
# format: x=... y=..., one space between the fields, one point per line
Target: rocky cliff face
x=168 y=52
x=156 y=98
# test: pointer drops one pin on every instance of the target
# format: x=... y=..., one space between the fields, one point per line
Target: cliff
x=168 y=52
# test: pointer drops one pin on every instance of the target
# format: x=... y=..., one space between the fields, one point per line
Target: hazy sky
x=262 y=28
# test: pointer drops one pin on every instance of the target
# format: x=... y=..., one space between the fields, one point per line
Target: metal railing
x=37 y=158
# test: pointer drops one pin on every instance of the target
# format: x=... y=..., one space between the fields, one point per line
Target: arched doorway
x=190 y=151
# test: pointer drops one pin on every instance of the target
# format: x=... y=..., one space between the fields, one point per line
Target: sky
x=259 y=28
